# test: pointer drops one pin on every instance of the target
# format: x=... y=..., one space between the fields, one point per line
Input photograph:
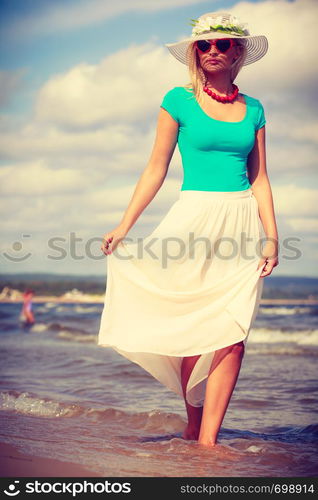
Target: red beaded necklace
x=221 y=98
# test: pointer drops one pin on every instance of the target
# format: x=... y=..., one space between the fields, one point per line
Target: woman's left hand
x=269 y=266
x=270 y=259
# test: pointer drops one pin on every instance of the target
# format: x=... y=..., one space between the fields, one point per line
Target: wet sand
x=14 y=463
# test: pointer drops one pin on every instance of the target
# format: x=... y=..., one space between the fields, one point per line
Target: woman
x=184 y=315
x=26 y=315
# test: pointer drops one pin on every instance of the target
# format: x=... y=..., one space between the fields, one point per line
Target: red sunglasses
x=222 y=44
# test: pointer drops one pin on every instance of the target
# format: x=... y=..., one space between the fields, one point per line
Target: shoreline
x=100 y=300
x=16 y=463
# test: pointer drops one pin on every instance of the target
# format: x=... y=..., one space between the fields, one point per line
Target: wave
x=300 y=337
x=39 y=327
x=65 y=332
x=57 y=327
x=283 y=311
x=78 y=308
x=256 y=336
x=77 y=337
x=282 y=350
x=26 y=403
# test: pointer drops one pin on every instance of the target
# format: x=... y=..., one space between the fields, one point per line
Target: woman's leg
x=222 y=378
x=194 y=413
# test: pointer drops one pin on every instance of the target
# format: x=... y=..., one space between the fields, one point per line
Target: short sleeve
x=261 y=120
x=170 y=104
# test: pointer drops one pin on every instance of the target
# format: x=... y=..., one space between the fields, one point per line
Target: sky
x=81 y=86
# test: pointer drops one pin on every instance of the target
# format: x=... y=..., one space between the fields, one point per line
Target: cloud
x=286 y=125
x=82 y=209
x=94 y=109
x=303 y=225
x=285 y=156
x=78 y=157
x=91 y=95
x=290 y=28
x=36 y=179
x=10 y=82
x=291 y=199
x=78 y=14
x=33 y=140
x=86 y=118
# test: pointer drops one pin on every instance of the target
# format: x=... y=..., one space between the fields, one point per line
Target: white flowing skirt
x=190 y=287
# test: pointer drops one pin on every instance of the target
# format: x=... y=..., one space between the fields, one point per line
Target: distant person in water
x=27 y=316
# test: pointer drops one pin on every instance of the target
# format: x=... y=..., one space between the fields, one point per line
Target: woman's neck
x=219 y=83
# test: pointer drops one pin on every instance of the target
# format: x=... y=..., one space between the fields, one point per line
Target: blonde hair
x=196 y=72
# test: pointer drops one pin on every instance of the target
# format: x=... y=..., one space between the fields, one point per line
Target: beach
x=72 y=408
x=13 y=463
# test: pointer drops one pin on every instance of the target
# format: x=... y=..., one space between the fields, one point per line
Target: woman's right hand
x=112 y=239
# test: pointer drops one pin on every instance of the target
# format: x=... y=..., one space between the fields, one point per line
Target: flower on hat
x=232 y=25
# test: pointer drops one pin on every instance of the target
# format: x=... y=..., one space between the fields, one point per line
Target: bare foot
x=191 y=433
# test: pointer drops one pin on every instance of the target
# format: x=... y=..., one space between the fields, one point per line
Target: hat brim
x=256 y=46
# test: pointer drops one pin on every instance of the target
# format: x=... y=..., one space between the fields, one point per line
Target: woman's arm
x=150 y=180
x=260 y=184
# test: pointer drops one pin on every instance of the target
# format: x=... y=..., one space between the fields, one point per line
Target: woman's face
x=214 y=59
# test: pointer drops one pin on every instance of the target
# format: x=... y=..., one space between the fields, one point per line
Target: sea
x=66 y=398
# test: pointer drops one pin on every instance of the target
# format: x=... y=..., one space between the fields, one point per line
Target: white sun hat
x=220 y=25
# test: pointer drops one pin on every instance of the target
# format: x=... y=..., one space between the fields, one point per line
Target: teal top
x=214 y=152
